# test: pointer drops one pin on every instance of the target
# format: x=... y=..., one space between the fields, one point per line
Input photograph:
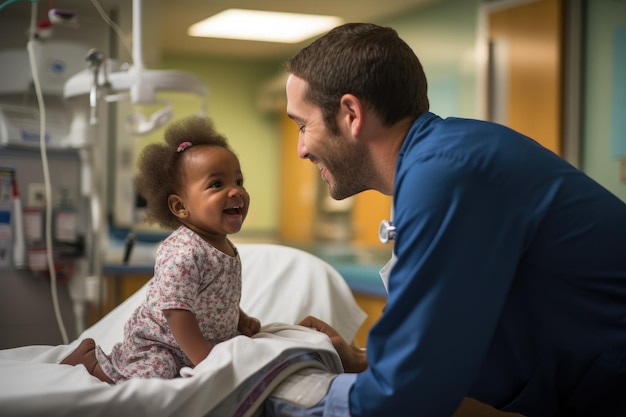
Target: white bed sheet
x=281 y=285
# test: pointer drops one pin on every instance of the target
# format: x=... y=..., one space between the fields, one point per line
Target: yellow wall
x=297 y=187
x=370 y=207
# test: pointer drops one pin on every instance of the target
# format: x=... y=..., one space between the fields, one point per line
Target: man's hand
x=352 y=357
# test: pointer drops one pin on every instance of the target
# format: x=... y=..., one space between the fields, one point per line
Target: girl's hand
x=248 y=326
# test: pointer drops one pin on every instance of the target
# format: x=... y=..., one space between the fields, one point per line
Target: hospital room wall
x=444 y=35
x=603 y=121
x=444 y=38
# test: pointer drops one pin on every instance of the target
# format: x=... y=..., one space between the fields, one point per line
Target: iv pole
x=85 y=90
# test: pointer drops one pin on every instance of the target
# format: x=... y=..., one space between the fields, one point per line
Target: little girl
x=192 y=184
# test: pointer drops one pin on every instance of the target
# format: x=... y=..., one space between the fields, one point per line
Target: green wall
x=444 y=37
x=602 y=16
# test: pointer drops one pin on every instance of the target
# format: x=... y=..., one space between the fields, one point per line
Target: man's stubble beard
x=350 y=169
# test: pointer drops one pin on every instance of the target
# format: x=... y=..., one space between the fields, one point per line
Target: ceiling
x=177 y=16
x=165 y=22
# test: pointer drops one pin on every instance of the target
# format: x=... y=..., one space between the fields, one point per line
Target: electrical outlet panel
x=36 y=195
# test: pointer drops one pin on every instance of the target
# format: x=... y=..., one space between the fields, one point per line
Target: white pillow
x=284 y=284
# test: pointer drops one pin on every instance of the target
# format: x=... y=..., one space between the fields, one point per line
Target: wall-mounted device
x=56 y=61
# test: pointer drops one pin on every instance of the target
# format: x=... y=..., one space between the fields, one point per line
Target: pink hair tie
x=183 y=146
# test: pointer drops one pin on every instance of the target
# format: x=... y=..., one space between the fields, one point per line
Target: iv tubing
x=113 y=26
x=46 y=173
x=6 y=3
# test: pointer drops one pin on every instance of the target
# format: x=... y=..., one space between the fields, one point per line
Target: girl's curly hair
x=160 y=166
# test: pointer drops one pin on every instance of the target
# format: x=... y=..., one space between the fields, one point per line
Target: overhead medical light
x=256 y=25
x=137 y=85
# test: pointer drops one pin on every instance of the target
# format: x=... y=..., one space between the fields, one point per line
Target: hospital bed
x=281 y=285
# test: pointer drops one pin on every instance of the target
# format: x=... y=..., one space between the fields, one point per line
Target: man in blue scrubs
x=510 y=280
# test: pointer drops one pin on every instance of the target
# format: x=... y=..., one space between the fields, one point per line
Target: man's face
x=343 y=162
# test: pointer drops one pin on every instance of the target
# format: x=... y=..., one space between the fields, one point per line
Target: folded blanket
x=257 y=365
x=232 y=381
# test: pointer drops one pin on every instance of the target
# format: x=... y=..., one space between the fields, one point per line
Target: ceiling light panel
x=256 y=25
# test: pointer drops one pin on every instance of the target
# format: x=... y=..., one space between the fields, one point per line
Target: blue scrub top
x=510 y=285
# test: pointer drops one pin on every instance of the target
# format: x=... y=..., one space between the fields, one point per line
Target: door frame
x=572 y=74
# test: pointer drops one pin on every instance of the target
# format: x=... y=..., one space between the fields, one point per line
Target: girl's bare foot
x=85 y=354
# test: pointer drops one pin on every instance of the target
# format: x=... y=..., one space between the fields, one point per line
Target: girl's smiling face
x=213 y=201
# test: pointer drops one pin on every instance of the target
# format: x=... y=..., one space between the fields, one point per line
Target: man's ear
x=176 y=205
x=351 y=113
